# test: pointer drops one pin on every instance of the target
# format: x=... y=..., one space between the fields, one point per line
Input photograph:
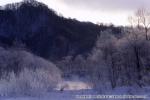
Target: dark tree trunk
x=112 y=70
x=138 y=67
x=146 y=32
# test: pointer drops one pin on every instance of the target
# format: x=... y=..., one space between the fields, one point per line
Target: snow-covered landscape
x=71 y=94
x=71 y=50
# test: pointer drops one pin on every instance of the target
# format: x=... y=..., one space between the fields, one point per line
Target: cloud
x=107 y=4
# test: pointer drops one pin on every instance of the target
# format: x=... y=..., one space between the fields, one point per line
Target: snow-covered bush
x=28 y=82
x=26 y=74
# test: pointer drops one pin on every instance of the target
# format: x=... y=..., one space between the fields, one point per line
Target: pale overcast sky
x=106 y=11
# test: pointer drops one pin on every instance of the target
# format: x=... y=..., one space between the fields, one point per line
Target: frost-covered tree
x=24 y=71
x=106 y=53
x=124 y=60
x=134 y=53
x=143 y=16
x=141 y=20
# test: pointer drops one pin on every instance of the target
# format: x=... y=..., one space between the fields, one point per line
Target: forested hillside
x=46 y=33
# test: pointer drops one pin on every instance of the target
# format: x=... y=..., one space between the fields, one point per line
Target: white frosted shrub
x=36 y=75
x=29 y=83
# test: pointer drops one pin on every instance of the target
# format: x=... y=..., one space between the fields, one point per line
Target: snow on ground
x=70 y=90
x=74 y=88
x=54 y=95
x=73 y=85
x=130 y=91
